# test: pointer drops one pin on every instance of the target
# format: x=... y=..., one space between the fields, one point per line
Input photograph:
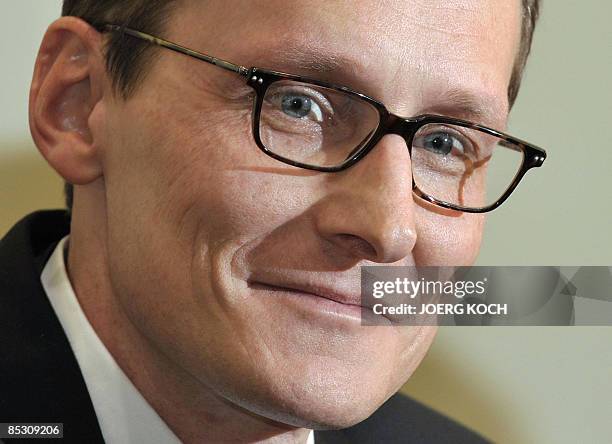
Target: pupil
x=296 y=106
x=441 y=143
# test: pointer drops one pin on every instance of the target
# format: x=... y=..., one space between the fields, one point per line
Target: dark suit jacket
x=40 y=380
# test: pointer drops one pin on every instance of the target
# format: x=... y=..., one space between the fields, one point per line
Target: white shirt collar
x=123 y=413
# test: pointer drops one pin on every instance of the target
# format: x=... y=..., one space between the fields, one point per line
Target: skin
x=177 y=212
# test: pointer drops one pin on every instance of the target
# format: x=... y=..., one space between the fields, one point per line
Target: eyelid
x=457 y=130
x=321 y=99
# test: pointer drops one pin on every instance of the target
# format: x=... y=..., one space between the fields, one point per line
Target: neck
x=192 y=410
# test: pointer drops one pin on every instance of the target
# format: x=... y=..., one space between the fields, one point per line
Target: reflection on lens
x=314 y=125
x=463 y=166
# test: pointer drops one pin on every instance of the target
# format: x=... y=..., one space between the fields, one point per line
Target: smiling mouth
x=337 y=299
x=327 y=300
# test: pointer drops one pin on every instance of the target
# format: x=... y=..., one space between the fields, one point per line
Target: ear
x=66 y=88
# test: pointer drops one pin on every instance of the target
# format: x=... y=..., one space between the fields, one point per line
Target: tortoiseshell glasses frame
x=388 y=123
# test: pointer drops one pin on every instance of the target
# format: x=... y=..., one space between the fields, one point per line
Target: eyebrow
x=315 y=61
x=310 y=60
x=469 y=105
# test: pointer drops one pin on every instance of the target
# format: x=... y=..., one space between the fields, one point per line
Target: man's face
x=204 y=229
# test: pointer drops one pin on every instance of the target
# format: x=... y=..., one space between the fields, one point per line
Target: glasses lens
x=314 y=125
x=463 y=166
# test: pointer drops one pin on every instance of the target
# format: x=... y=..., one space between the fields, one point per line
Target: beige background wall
x=540 y=385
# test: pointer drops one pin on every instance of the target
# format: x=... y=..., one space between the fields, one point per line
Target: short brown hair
x=127 y=59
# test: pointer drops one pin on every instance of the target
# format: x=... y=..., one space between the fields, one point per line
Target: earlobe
x=63 y=96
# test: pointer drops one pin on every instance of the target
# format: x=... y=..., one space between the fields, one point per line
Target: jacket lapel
x=40 y=380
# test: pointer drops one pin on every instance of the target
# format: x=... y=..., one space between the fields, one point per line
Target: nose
x=369 y=210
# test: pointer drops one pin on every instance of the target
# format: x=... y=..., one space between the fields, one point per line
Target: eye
x=301 y=103
x=300 y=106
x=440 y=142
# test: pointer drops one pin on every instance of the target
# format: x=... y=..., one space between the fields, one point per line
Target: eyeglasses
x=325 y=127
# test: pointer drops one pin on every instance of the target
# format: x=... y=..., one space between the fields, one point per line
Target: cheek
x=162 y=181
x=214 y=181
x=178 y=163
x=186 y=183
x=447 y=239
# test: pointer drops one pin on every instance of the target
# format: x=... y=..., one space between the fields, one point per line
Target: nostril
x=356 y=245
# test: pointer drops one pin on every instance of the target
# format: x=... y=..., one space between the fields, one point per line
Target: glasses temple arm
x=243 y=71
x=510 y=145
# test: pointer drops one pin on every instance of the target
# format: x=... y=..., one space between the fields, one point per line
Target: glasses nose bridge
x=402 y=127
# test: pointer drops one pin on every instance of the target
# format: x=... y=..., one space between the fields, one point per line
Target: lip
x=323 y=292
x=330 y=300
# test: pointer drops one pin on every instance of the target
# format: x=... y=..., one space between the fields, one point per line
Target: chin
x=327 y=396
x=320 y=412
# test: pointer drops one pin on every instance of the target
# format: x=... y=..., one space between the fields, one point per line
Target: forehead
x=403 y=52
